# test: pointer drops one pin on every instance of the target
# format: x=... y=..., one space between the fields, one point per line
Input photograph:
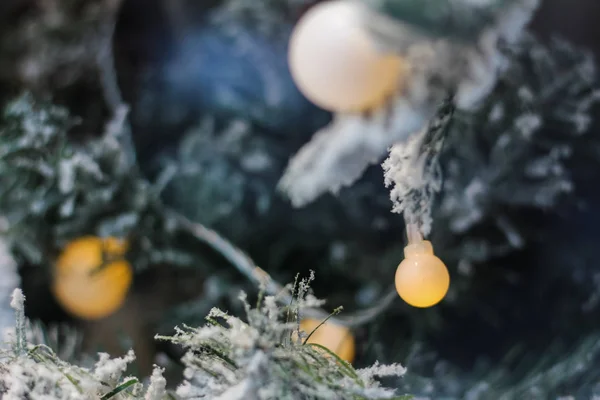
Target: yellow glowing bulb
x=338 y=339
x=335 y=63
x=422 y=279
x=84 y=289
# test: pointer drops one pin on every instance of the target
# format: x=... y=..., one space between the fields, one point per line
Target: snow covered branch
x=339 y=153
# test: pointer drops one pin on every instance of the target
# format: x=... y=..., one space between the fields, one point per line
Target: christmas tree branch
x=55 y=190
x=244 y=264
x=118 y=126
x=338 y=154
x=226 y=358
x=456 y=19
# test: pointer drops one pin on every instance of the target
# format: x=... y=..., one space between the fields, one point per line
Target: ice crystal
x=157 y=390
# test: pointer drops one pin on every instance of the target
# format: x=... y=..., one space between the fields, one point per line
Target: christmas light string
x=119 y=128
x=235 y=256
x=429 y=150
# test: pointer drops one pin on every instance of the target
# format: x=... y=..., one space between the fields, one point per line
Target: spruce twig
x=451 y=19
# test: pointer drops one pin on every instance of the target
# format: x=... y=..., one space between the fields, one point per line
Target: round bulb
x=81 y=287
x=422 y=279
x=335 y=63
x=337 y=338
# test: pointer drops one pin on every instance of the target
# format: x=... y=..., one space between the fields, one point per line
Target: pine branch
x=53 y=190
x=265 y=357
x=414 y=171
x=515 y=153
x=339 y=153
x=228 y=358
x=454 y=19
x=245 y=265
x=31 y=370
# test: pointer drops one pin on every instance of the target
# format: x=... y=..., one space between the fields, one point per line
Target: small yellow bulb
x=337 y=338
x=335 y=63
x=422 y=279
x=81 y=287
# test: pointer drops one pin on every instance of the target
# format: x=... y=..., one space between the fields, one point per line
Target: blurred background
x=211 y=100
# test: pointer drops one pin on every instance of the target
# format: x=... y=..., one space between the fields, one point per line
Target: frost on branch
x=265 y=358
x=157 y=390
x=53 y=188
x=413 y=170
x=517 y=151
x=9 y=281
x=46 y=178
x=339 y=154
x=29 y=371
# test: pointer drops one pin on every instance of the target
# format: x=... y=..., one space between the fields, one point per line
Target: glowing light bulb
x=338 y=339
x=84 y=289
x=422 y=279
x=335 y=63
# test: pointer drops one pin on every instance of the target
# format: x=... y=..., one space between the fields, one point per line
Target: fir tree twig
x=244 y=264
x=455 y=19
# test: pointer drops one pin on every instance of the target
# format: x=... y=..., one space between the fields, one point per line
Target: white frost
x=9 y=281
x=339 y=154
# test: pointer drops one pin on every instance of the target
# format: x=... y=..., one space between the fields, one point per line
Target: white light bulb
x=335 y=63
